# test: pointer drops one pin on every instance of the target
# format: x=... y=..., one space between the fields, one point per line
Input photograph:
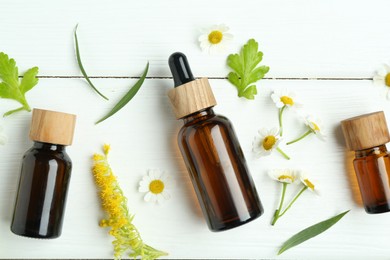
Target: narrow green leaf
x=127 y=97
x=310 y=232
x=82 y=67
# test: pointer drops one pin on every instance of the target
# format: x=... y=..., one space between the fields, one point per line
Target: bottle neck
x=49 y=147
x=200 y=115
x=381 y=149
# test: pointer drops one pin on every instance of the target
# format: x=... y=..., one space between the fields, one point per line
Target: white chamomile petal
x=378 y=80
x=148 y=196
x=274 y=131
x=160 y=198
x=388 y=94
x=382 y=72
x=143 y=186
x=166 y=195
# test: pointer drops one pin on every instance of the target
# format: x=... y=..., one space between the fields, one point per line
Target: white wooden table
x=324 y=51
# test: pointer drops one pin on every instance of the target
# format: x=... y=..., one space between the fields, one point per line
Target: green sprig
x=310 y=232
x=11 y=87
x=245 y=71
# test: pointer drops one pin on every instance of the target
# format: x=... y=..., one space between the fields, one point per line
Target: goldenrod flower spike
x=114 y=203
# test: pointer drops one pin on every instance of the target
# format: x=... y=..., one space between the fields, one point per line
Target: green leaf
x=310 y=232
x=82 y=67
x=249 y=92
x=11 y=87
x=126 y=98
x=245 y=72
x=29 y=80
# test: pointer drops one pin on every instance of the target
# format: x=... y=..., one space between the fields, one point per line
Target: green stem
x=292 y=202
x=283 y=153
x=281 y=119
x=276 y=216
x=14 y=111
x=300 y=138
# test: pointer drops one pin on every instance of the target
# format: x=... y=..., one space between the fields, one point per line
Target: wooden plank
x=309 y=39
x=143 y=136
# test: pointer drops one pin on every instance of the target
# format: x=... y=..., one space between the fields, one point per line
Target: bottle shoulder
x=207 y=122
x=46 y=155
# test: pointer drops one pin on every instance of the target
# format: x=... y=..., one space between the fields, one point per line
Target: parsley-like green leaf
x=11 y=87
x=245 y=72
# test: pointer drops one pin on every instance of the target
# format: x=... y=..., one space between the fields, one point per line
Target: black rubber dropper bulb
x=180 y=69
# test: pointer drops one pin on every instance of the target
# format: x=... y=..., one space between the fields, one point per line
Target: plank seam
x=213 y=78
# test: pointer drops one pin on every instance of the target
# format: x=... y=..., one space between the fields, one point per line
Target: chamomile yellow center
x=315 y=127
x=387 y=80
x=156 y=186
x=215 y=37
x=269 y=142
x=285 y=177
x=287 y=100
x=309 y=184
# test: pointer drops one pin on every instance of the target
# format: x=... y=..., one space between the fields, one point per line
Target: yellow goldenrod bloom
x=118 y=218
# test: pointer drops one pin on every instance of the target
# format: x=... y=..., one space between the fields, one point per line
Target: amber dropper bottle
x=45 y=175
x=367 y=136
x=212 y=153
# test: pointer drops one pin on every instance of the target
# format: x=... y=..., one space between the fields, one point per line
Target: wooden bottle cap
x=52 y=127
x=365 y=131
x=191 y=97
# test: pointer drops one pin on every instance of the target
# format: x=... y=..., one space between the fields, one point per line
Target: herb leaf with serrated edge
x=82 y=67
x=11 y=87
x=310 y=232
x=245 y=71
x=127 y=97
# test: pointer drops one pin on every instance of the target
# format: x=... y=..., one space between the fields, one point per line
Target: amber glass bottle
x=212 y=153
x=367 y=135
x=45 y=175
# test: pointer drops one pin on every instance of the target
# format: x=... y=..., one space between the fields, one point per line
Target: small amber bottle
x=45 y=175
x=367 y=136
x=211 y=152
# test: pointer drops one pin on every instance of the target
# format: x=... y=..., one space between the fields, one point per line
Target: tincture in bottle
x=45 y=175
x=367 y=136
x=212 y=153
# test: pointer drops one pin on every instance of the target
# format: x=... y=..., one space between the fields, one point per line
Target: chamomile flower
x=307 y=184
x=303 y=177
x=314 y=126
x=283 y=175
x=3 y=137
x=157 y=185
x=215 y=39
x=283 y=100
x=266 y=142
x=382 y=78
